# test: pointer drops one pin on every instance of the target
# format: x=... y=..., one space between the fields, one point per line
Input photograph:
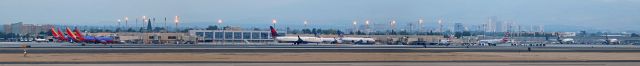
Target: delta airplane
x=295 y=40
x=77 y=37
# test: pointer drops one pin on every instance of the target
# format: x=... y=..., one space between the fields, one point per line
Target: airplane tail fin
x=55 y=34
x=340 y=34
x=61 y=36
x=274 y=33
x=316 y=34
x=79 y=34
x=506 y=37
x=71 y=34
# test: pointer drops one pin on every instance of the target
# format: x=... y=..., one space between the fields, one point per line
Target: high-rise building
x=499 y=26
x=479 y=28
x=490 y=26
x=541 y=28
x=2 y=28
x=509 y=27
x=15 y=28
x=6 y=27
x=538 y=28
x=483 y=27
x=458 y=27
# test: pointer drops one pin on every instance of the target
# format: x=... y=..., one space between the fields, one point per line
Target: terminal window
x=256 y=35
x=208 y=34
x=237 y=35
x=246 y=35
x=219 y=35
x=201 y=34
x=265 y=35
x=228 y=35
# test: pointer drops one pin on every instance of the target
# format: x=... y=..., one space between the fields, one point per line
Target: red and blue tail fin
x=79 y=34
x=274 y=33
x=506 y=37
x=61 y=36
x=72 y=35
x=55 y=34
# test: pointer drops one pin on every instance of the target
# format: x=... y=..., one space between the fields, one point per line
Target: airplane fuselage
x=295 y=39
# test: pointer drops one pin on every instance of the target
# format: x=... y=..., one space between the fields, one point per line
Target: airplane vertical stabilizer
x=55 y=34
x=62 y=36
x=274 y=33
x=72 y=35
x=79 y=34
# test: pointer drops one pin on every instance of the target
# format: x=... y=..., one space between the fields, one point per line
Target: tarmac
x=295 y=50
x=52 y=47
x=358 y=64
x=44 y=48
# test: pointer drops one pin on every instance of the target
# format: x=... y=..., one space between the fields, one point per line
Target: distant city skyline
x=608 y=15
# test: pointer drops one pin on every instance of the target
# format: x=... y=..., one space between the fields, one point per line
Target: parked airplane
x=77 y=37
x=341 y=39
x=41 y=40
x=567 y=41
x=355 y=40
x=494 y=42
x=295 y=40
x=608 y=40
x=331 y=40
x=57 y=35
x=563 y=41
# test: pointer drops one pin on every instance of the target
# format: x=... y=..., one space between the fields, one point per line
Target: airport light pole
x=134 y=24
x=166 y=28
x=305 y=23
x=144 y=21
x=355 y=26
x=393 y=25
x=440 y=26
x=126 y=22
x=176 y=21
x=118 y=27
x=420 y=25
x=366 y=28
x=224 y=36
x=274 y=21
x=220 y=22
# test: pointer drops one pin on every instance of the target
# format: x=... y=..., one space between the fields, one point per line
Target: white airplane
x=41 y=40
x=568 y=40
x=609 y=41
x=331 y=40
x=294 y=40
x=355 y=40
x=494 y=42
x=564 y=41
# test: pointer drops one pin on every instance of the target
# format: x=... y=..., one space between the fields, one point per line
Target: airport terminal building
x=232 y=36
